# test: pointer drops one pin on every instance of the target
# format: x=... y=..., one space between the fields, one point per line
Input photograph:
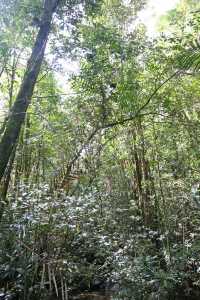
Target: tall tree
x=18 y=111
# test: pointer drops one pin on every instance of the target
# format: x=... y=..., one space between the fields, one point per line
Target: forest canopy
x=99 y=151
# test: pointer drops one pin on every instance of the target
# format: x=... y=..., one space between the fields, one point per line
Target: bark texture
x=23 y=99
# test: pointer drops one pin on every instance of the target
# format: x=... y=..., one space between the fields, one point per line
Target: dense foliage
x=101 y=192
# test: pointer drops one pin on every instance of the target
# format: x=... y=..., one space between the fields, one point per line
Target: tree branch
x=123 y=121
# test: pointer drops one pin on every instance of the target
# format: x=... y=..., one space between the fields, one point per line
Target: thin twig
x=123 y=121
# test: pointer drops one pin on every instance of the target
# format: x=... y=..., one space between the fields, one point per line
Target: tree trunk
x=18 y=111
